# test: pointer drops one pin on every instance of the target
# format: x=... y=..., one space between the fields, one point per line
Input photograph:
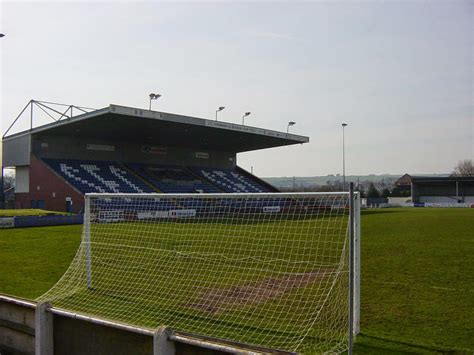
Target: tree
x=401 y=191
x=373 y=192
x=386 y=193
x=464 y=168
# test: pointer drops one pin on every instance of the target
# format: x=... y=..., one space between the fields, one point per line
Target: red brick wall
x=50 y=187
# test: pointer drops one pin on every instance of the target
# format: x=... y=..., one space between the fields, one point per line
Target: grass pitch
x=252 y=279
x=28 y=212
x=417 y=276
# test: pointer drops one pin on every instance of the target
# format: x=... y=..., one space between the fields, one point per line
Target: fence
x=39 y=221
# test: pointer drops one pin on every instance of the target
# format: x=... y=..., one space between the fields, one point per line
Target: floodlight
x=154 y=96
x=219 y=109
x=245 y=115
x=291 y=123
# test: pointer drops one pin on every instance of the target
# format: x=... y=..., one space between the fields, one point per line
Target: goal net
x=270 y=270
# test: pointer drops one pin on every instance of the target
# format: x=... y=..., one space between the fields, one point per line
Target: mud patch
x=219 y=300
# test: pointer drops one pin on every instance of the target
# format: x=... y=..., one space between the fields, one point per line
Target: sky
x=400 y=74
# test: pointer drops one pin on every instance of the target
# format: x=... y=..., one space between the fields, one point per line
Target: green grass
x=418 y=279
x=27 y=212
x=33 y=259
x=417 y=276
x=202 y=276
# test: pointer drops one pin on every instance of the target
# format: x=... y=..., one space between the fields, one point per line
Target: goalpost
x=275 y=270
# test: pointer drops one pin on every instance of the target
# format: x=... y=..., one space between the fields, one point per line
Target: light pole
x=291 y=123
x=343 y=159
x=219 y=109
x=245 y=115
x=154 y=97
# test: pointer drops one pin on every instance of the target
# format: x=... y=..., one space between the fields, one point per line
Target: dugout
x=445 y=190
x=116 y=148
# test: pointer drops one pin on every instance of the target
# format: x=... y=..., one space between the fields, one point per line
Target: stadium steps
x=97 y=176
x=256 y=178
x=151 y=185
x=197 y=176
x=131 y=171
x=51 y=169
x=138 y=176
x=173 y=179
x=233 y=180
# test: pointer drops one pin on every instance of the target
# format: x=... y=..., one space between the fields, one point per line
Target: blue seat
x=98 y=176
x=230 y=180
x=172 y=179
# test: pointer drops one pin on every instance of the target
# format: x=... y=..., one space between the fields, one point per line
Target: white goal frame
x=353 y=230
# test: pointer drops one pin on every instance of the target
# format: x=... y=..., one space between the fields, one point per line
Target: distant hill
x=306 y=181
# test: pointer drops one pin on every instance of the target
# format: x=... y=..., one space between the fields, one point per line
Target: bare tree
x=464 y=168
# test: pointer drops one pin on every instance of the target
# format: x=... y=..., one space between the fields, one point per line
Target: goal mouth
x=269 y=270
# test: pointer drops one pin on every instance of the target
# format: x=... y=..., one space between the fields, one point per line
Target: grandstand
x=131 y=150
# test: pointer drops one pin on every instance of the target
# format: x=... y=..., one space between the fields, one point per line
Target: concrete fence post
x=162 y=345
x=43 y=329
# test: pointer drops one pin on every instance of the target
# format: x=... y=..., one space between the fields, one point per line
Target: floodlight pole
x=290 y=124
x=153 y=97
x=243 y=117
x=218 y=110
x=343 y=159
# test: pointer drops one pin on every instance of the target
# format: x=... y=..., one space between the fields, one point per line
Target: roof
x=139 y=125
x=434 y=179
x=403 y=180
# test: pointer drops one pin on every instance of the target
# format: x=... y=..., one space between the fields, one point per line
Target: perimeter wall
x=20 y=328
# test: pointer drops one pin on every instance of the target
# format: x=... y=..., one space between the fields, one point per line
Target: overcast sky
x=399 y=73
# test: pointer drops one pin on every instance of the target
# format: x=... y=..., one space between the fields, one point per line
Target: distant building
x=437 y=189
x=405 y=180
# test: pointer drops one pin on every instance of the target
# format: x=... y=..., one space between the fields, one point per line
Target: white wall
x=397 y=200
x=22 y=179
x=444 y=199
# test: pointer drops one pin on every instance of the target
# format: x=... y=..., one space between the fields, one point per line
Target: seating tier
x=98 y=176
x=173 y=179
x=230 y=180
